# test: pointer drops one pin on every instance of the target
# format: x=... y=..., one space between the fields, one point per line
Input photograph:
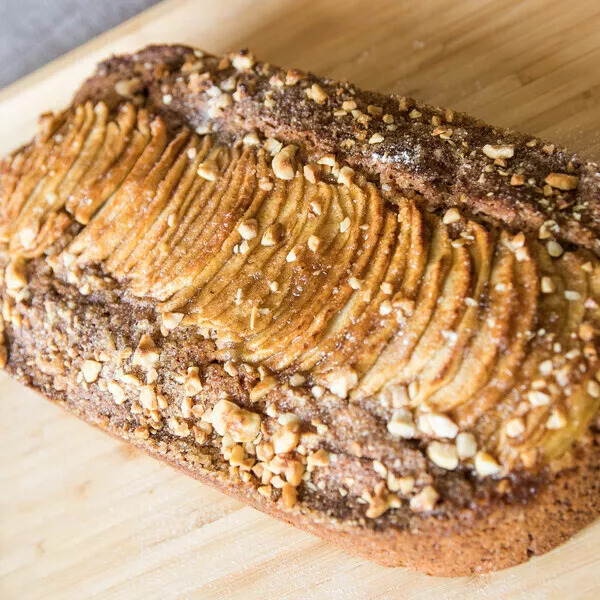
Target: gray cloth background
x=33 y=32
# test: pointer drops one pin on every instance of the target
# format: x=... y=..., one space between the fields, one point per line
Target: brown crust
x=473 y=531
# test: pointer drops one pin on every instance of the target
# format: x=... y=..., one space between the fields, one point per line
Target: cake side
x=298 y=324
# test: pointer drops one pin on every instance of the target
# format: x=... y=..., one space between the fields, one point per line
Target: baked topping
x=330 y=290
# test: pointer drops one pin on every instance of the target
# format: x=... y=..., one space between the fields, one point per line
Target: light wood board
x=84 y=516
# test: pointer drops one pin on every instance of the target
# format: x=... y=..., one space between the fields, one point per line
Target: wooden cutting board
x=84 y=516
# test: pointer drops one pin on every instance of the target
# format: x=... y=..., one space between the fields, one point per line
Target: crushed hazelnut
x=282 y=163
x=288 y=495
x=341 y=381
x=515 y=427
x=313 y=243
x=486 y=464
x=452 y=215
x=376 y=138
x=402 y=425
x=466 y=445
x=15 y=274
x=443 y=455
x=90 y=370
x=317 y=93
x=228 y=418
x=208 y=171
x=562 y=181
x=319 y=458
x=345 y=176
x=425 y=500
x=273 y=235
x=146 y=354
x=248 y=229
x=499 y=151
x=285 y=439
x=192 y=385
x=262 y=388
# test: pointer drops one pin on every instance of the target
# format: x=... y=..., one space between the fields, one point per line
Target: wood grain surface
x=84 y=516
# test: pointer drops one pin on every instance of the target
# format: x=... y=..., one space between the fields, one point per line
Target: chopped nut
x=440 y=425
x=554 y=249
x=466 y=445
x=251 y=139
x=288 y=495
x=208 y=171
x=562 y=181
x=265 y=490
x=376 y=138
x=317 y=93
x=285 y=440
x=346 y=175
x=313 y=243
x=310 y=173
x=443 y=455
x=262 y=388
x=167 y=99
x=517 y=180
x=377 y=507
x=547 y=285
x=146 y=355
x=292 y=255
x=557 y=419
x=228 y=418
x=273 y=235
x=91 y=369
x=141 y=432
x=342 y=380
x=148 y=397
x=282 y=163
x=593 y=388
x=415 y=114
x=452 y=215
x=515 y=427
x=586 y=332
x=243 y=61
x=128 y=88
x=385 y=308
x=265 y=184
x=192 y=385
x=537 y=398
x=345 y=225
x=15 y=274
x=572 y=295
x=117 y=392
x=320 y=458
x=425 y=500
x=499 y=151
x=486 y=464
x=402 y=425
x=171 y=320
x=248 y=229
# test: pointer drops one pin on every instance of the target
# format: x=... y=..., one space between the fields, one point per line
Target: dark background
x=33 y=32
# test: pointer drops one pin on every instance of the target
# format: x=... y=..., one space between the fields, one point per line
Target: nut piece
x=192 y=385
x=547 y=285
x=317 y=93
x=562 y=181
x=272 y=235
x=171 y=320
x=466 y=445
x=486 y=464
x=146 y=355
x=341 y=381
x=452 y=215
x=376 y=138
x=148 y=397
x=117 y=392
x=229 y=419
x=313 y=243
x=402 y=425
x=320 y=458
x=243 y=61
x=438 y=424
x=90 y=370
x=501 y=151
x=425 y=500
x=555 y=250
x=443 y=455
x=207 y=171
x=346 y=175
x=282 y=163
x=262 y=388
x=248 y=229
x=285 y=439
x=288 y=495
x=15 y=275
x=515 y=427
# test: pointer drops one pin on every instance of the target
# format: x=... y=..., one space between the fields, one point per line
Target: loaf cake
x=371 y=318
